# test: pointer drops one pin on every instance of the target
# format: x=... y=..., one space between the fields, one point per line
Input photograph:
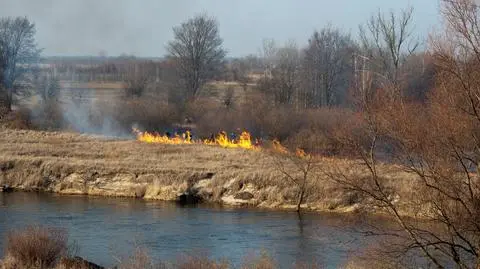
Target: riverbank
x=69 y=163
x=107 y=230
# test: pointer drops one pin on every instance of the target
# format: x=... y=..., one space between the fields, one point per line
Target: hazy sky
x=143 y=27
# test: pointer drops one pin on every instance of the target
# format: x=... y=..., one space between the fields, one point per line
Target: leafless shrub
x=140 y=260
x=76 y=263
x=137 y=77
x=303 y=173
x=302 y=265
x=316 y=134
x=47 y=116
x=200 y=262
x=36 y=247
x=228 y=98
x=436 y=143
x=150 y=114
x=263 y=261
x=19 y=119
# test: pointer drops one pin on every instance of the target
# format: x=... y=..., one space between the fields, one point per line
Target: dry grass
x=92 y=85
x=259 y=262
x=140 y=260
x=78 y=164
x=76 y=263
x=199 y=262
x=35 y=247
x=19 y=119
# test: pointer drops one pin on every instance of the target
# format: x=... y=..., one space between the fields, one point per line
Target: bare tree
x=268 y=54
x=197 y=51
x=17 y=50
x=298 y=168
x=362 y=137
x=239 y=70
x=419 y=76
x=327 y=67
x=47 y=113
x=281 y=79
x=285 y=74
x=137 y=77
x=47 y=87
x=229 y=98
x=437 y=144
x=387 y=40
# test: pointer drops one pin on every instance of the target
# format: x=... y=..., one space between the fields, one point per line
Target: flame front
x=147 y=137
x=222 y=140
x=244 y=141
x=278 y=147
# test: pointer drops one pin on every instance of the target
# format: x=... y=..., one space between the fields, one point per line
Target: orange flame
x=301 y=153
x=222 y=140
x=147 y=137
x=278 y=147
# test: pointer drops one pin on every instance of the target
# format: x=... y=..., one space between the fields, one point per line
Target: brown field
x=215 y=88
x=69 y=163
x=66 y=84
x=92 y=85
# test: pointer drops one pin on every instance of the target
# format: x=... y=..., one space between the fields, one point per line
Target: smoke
x=90 y=116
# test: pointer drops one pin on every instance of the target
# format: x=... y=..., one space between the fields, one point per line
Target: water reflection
x=105 y=228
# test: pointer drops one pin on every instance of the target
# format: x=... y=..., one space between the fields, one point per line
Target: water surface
x=108 y=228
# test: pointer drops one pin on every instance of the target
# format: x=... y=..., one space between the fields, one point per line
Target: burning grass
x=69 y=163
x=244 y=140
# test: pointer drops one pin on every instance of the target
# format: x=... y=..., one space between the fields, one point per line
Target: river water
x=107 y=228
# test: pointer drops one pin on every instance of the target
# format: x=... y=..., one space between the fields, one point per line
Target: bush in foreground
x=35 y=247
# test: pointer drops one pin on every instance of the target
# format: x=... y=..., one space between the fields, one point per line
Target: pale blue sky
x=142 y=27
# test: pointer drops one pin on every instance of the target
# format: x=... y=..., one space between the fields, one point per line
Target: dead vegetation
x=79 y=164
x=35 y=247
x=38 y=247
x=383 y=107
x=141 y=259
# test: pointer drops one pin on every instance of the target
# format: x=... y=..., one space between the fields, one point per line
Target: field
x=69 y=163
x=102 y=90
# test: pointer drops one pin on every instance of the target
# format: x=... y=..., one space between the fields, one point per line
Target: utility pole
x=364 y=70
x=363 y=74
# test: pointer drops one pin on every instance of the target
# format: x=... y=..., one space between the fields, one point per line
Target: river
x=107 y=228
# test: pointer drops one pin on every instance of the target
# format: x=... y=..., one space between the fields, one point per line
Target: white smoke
x=87 y=116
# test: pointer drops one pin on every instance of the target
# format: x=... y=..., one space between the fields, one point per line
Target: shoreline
x=213 y=205
x=126 y=208
x=78 y=164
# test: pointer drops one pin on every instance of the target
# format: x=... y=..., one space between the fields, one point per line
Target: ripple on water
x=105 y=228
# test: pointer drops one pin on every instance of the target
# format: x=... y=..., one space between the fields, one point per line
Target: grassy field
x=109 y=90
x=70 y=163
x=92 y=85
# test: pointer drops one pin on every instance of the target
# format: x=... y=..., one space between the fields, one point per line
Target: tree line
x=320 y=74
x=382 y=97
